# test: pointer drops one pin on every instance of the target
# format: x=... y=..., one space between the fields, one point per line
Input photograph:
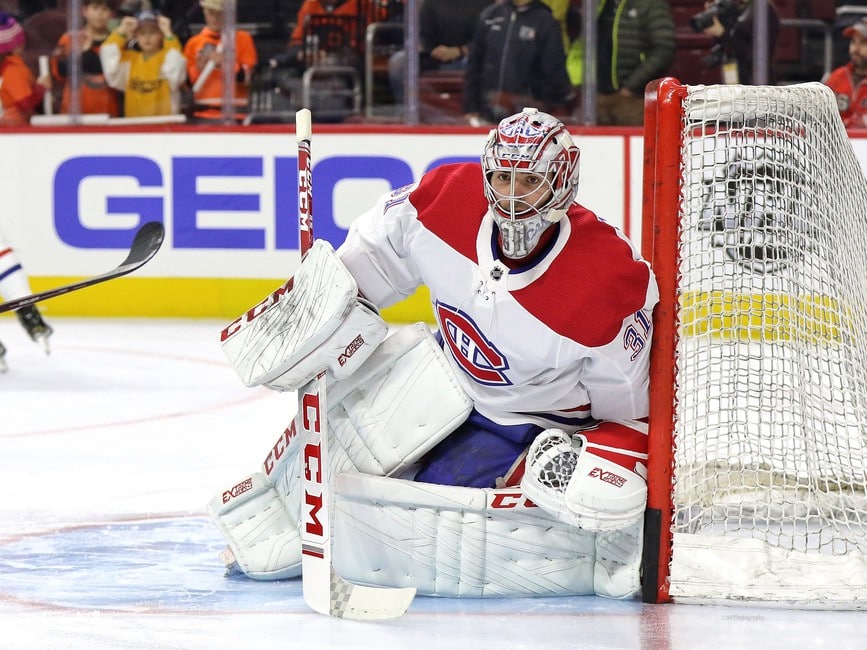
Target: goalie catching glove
x=595 y=479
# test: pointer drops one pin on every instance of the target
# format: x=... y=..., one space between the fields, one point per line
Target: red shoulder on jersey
x=449 y=190
x=592 y=286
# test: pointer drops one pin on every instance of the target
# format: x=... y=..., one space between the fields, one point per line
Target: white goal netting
x=770 y=428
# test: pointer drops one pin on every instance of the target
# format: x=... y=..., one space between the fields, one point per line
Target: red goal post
x=755 y=223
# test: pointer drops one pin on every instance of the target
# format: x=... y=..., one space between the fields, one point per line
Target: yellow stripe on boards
x=188 y=298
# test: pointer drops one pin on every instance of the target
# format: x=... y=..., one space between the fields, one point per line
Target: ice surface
x=111 y=447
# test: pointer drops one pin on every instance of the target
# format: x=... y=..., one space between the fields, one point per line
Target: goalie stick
x=145 y=244
x=324 y=590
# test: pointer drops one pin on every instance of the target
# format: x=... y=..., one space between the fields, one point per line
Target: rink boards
x=228 y=199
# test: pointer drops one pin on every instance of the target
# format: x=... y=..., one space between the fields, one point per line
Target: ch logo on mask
x=520 y=129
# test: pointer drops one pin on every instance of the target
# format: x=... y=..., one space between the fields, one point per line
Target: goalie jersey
x=564 y=339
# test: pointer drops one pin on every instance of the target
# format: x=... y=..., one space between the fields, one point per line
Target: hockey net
x=755 y=222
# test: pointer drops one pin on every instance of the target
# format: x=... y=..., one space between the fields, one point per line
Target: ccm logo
x=609 y=477
x=279 y=448
x=351 y=349
x=254 y=312
x=313 y=469
x=504 y=500
x=238 y=490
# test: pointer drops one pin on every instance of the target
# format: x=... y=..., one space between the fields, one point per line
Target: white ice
x=111 y=447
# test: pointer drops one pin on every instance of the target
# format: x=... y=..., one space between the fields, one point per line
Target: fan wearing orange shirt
x=96 y=95
x=204 y=55
x=20 y=93
x=319 y=7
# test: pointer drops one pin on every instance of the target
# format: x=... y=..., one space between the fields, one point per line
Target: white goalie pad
x=401 y=403
x=312 y=323
x=455 y=541
x=617 y=572
x=263 y=537
x=404 y=401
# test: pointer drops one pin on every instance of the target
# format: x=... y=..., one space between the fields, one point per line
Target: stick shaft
x=303 y=134
x=324 y=590
x=315 y=515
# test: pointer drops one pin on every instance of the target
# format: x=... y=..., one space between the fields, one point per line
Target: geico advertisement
x=229 y=200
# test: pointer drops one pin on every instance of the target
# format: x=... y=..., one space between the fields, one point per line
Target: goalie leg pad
x=455 y=541
x=387 y=422
x=262 y=534
x=585 y=480
x=617 y=572
x=381 y=422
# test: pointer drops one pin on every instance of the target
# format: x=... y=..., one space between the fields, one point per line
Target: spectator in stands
x=204 y=55
x=150 y=74
x=351 y=41
x=96 y=96
x=575 y=50
x=20 y=93
x=560 y=10
x=516 y=59
x=732 y=23
x=849 y=81
x=445 y=32
x=635 y=45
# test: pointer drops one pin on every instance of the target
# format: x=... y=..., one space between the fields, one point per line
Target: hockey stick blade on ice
x=325 y=591
x=145 y=244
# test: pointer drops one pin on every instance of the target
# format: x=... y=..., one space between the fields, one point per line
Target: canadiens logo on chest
x=479 y=358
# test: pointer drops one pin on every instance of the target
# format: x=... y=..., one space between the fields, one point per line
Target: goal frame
x=738 y=565
x=661 y=185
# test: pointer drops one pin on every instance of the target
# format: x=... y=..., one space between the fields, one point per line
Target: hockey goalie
x=501 y=454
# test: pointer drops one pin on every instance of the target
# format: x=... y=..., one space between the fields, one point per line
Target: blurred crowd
x=406 y=61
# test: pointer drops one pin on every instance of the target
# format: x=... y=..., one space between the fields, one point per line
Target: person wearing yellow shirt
x=151 y=72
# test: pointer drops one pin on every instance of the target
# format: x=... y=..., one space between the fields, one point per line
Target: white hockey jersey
x=553 y=343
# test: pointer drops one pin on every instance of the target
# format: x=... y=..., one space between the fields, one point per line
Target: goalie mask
x=535 y=144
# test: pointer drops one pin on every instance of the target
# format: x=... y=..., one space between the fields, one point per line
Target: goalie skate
x=32 y=322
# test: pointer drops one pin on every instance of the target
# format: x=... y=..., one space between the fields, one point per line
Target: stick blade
x=145 y=244
x=333 y=596
x=363 y=603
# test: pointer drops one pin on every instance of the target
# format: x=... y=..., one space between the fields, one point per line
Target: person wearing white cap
x=849 y=81
x=20 y=93
x=204 y=56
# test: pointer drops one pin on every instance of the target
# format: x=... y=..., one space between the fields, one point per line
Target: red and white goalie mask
x=530 y=165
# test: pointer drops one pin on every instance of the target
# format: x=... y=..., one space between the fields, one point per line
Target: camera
x=726 y=10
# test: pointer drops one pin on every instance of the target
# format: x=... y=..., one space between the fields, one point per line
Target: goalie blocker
x=315 y=321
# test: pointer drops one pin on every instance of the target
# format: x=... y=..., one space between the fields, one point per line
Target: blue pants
x=476 y=453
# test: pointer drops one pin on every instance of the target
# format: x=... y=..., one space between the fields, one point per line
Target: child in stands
x=150 y=75
x=20 y=93
x=96 y=96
